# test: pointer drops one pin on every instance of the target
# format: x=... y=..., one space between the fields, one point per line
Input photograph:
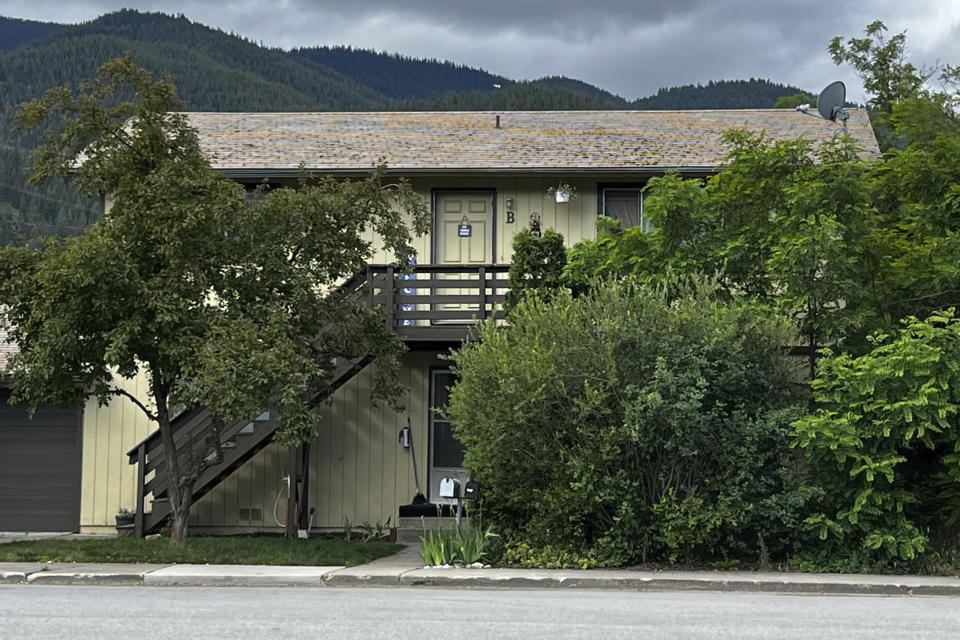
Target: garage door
x=39 y=468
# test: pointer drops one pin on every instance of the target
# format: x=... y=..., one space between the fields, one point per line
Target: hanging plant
x=563 y=192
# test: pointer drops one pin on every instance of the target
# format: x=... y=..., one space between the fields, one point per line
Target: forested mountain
x=398 y=76
x=213 y=71
x=219 y=71
x=582 y=87
x=218 y=67
x=14 y=31
x=723 y=94
x=534 y=95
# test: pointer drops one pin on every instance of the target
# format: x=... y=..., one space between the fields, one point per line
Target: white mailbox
x=449 y=487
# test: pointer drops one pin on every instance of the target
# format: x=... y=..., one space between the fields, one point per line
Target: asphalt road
x=29 y=612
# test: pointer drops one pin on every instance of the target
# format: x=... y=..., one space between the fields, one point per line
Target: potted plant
x=124 y=517
x=563 y=192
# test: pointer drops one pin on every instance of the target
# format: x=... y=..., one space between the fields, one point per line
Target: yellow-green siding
x=108 y=481
x=358 y=469
x=574 y=219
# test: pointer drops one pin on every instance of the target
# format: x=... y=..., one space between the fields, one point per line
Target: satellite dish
x=831 y=100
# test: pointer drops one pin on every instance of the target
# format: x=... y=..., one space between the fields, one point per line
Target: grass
x=198 y=550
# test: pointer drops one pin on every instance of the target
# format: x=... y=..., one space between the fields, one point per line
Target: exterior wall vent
x=247 y=514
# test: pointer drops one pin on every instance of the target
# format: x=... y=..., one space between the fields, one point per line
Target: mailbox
x=471 y=490
x=449 y=487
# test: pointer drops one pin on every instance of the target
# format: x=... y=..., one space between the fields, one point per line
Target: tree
x=883 y=444
x=881 y=64
x=782 y=223
x=220 y=302
x=795 y=100
x=537 y=265
x=904 y=107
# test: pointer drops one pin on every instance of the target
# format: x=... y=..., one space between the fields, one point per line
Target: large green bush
x=884 y=448
x=626 y=425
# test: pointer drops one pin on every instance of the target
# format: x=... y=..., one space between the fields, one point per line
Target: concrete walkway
x=16 y=536
x=406 y=569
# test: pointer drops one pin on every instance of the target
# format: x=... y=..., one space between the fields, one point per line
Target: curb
x=353 y=580
x=81 y=577
x=238 y=576
x=12 y=577
x=212 y=576
x=231 y=581
x=669 y=584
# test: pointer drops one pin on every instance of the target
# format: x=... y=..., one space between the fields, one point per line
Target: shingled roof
x=264 y=144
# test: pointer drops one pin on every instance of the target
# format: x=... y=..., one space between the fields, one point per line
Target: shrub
x=437 y=547
x=537 y=265
x=882 y=447
x=597 y=424
x=471 y=541
x=467 y=544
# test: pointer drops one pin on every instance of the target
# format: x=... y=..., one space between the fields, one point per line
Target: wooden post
x=138 y=515
x=391 y=294
x=483 y=292
x=303 y=519
x=369 y=286
x=291 y=528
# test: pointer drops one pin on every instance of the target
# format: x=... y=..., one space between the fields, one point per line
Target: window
x=626 y=205
x=257 y=192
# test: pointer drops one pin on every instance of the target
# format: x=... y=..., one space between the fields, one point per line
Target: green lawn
x=213 y=550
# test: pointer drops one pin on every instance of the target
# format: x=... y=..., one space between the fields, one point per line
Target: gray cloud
x=629 y=47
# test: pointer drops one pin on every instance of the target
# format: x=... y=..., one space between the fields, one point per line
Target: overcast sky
x=631 y=48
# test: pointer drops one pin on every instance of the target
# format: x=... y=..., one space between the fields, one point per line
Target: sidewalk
x=406 y=569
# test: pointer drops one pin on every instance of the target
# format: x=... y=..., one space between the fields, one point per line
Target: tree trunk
x=179 y=488
x=181 y=516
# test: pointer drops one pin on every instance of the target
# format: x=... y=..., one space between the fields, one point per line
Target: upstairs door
x=455 y=245
x=463 y=235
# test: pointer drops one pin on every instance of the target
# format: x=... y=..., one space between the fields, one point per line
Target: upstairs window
x=626 y=205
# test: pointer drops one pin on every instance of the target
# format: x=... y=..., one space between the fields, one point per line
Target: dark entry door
x=446 y=452
x=39 y=468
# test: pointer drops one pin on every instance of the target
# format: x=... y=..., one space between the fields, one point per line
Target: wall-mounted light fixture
x=535 y=224
x=511 y=216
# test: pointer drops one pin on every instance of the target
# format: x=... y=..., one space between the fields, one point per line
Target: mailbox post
x=450 y=488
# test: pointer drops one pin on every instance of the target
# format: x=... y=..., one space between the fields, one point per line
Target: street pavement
x=397 y=613
x=406 y=569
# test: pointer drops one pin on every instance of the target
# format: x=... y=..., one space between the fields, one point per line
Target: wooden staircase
x=194 y=435
x=436 y=305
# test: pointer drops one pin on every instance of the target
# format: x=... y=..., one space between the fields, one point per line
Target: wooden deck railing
x=437 y=303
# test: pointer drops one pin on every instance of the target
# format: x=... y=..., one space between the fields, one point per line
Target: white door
x=463 y=235
x=464 y=227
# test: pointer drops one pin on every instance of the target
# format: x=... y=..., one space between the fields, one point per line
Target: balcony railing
x=437 y=302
